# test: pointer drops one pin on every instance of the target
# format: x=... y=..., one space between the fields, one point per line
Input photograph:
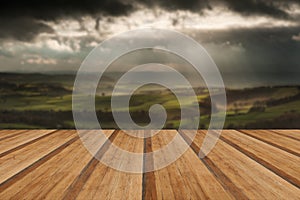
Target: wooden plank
x=294 y=134
x=187 y=177
x=51 y=179
x=281 y=162
x=129 y=185
x=77 y=184
x=47 y=168
x=109 y=183
x=169 y=180
x=149 y=185
x=279 y=141
x=15 y=162
x=221 y=177
x=99 y=182
x=10 y=133
x=20 y=140
x=253 y=180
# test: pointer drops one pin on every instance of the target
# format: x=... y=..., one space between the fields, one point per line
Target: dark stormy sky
x=243 y=37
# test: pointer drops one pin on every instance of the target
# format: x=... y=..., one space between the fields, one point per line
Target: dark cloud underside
x=50 y=10
x=246 y=7
x=265 y=49
x=250 y=7
x=53 y=9
x=22 y=20
x=192 y=5
x=23 y=29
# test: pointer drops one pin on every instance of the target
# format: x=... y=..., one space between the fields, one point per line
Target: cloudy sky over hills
x=241 y=36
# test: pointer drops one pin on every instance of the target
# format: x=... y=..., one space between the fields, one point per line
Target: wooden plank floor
x=244 y=164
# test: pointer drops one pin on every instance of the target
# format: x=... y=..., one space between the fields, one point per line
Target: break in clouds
x=249 y=37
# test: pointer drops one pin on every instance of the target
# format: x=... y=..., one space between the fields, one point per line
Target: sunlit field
x=45 y=101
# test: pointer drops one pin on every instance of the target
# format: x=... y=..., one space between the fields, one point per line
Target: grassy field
x=45 y=101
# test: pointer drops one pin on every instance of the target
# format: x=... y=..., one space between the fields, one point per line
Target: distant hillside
x=37 y=77
x=45 y=101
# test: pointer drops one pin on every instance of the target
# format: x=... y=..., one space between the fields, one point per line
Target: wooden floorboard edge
x=148 y=182
x=271 y=143
x=149 y=190
x=27 y=143
x=288 y=136
x=226 y=183
x=275 y=170
x=13 y=135
x=74 y=189
x=35 y=165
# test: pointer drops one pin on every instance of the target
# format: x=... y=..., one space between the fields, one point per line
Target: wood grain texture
x=294 y=134
x=253 y=180
x=221 y=177
x=187 y=177
x=108 y=183
x=19 y=160
x=279 y=161
x=52 y=178
x=149 y=186
x=54 y=164
x=290 y=145
x=10 y=133
x=18 y=141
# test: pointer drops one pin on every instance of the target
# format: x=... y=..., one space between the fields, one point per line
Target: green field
x=45 y=101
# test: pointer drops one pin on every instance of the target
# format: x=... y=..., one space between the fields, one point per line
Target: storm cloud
x=259 y=36
x=24 y=29
x=251 y=7
x=51 y=10
x=23 y=20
